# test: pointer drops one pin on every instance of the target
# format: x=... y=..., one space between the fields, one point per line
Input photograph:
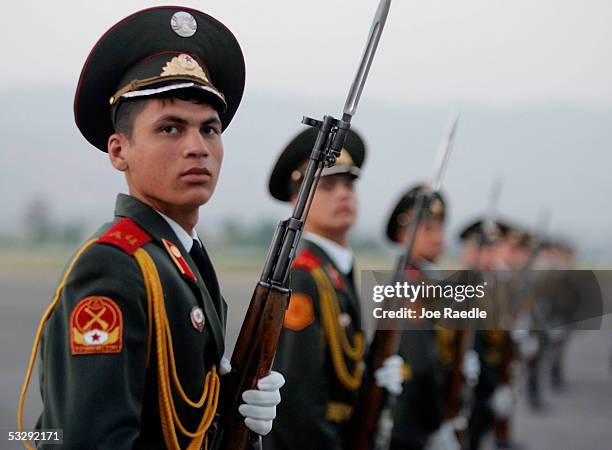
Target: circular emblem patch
x=96 y=326
x=197 y=318
x=344 y=320
x=183 y=24
x=300 y=312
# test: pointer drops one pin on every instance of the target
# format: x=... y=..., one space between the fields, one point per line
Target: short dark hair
x=128 y=110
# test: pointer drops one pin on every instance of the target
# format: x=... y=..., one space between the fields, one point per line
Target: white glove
x=518 y=335
x=529 y=346
x=502 y=402
x=557 y=335
x=471 y=367
x=390 y=376
x=259 y=407
x=225 y=366
x=444 y=438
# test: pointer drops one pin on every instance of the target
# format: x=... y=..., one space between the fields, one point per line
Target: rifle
x=502 y=429
x=489 y=225
x=258 y=339
x=385 y=342
x=459 y=400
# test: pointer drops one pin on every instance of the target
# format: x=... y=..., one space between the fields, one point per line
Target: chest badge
x=197 y=318
x=344 y=320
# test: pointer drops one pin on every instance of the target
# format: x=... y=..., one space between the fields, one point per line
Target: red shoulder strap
x=126 y=235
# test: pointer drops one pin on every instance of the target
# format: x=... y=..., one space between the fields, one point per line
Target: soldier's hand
x=259 y=407
x=444 y=438
x=225 y=366
x=529 y=347
x=390 y=375
x=471 y=367
x=502 y=401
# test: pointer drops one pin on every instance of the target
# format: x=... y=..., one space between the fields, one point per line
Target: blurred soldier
x=558 y=294
x=132 y=344
x=530 y=324
x=322 y=344
x=487 y=251
x=561 y=314
x=423 y=415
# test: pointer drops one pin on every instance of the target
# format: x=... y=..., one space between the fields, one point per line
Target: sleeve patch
x=96 y=327
x=300 y=312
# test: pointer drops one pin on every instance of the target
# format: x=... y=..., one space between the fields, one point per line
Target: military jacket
x=323 y=374
x=419 y=409
x=105 y=396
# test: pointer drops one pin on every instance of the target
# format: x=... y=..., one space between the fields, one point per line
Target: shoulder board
x=126 y=235
x=306 y=260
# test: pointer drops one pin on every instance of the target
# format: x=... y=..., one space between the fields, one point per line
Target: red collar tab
x=336 y=278
x=306 y=260
x=178 y=259
x=126 y=235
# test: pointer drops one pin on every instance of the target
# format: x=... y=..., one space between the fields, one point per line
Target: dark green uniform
x=137 y=326
x=110 y=400
x=321 y=346
x=496 y=352
x=492 y=343
x=317 y=403
x=420 y=408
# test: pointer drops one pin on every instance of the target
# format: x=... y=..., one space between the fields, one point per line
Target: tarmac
x=578 y=418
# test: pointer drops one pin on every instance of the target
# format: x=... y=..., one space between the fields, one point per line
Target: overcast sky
x=532 y=80
x=486 y=51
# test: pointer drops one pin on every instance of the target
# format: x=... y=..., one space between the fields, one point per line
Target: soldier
x=423 y=416
x=558 y=292
x=487 y=251
x=322 y=344
x=561 y=312
x=132 y=345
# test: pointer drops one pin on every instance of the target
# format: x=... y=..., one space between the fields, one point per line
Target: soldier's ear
x=116 y=146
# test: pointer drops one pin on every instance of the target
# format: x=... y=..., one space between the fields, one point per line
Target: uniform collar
x=341 y=256
x=150 y=220
x=161 y=229
x=180 y=232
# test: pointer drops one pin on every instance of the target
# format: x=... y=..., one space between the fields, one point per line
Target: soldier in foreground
x=132 y=345
x=322 y=344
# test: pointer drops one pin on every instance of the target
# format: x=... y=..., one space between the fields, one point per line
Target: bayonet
x=260 y=331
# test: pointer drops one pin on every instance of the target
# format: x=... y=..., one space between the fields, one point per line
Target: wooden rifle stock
x=258 y=339
x=251 y=360
x=385 y=343
x=456 y=382
x=364 y=422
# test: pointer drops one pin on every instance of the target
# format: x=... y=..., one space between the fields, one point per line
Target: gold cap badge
x=184 y=64
x=344 y=159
